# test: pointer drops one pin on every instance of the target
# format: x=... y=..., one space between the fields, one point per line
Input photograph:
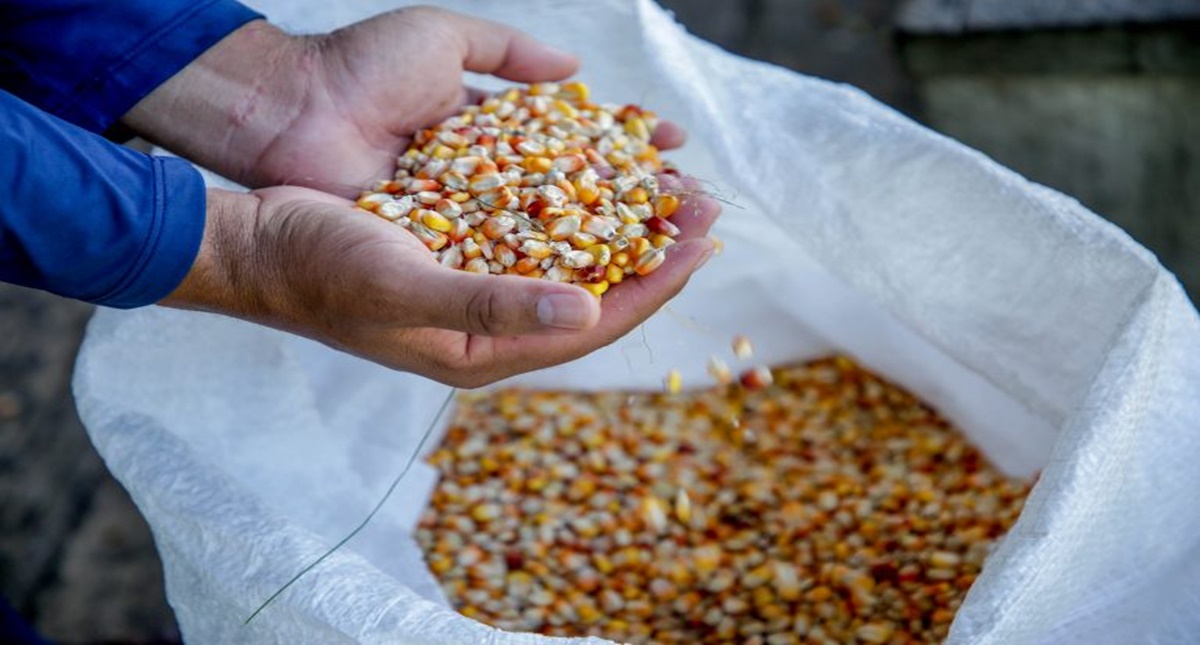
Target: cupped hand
x=333 y=111
x=309 y=263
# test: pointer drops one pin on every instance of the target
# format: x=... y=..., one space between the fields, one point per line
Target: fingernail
x=704 y=258
x=564 y=310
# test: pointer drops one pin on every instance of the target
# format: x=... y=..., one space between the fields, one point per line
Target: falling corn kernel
x=742 y=347
x=757 y=378
x=673 y=382
x=719 y=371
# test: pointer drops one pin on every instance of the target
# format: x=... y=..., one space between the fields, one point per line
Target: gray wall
x=1108 y=115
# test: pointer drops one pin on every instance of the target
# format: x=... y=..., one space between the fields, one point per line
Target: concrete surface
x=1108 y=115
x=76 y=559
x=958 y=16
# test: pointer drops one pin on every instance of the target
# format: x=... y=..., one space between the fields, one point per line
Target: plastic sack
x=1053 y=340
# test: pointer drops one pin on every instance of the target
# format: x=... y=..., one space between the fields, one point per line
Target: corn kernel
x=595 y=288
x=673 y=382
x=783 y=564
x=614 y=274
x=742 y=347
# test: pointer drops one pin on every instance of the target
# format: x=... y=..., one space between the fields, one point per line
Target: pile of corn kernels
x=827 y=507
x=537 y=182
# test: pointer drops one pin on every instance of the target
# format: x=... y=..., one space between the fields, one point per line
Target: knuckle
x=484 y=311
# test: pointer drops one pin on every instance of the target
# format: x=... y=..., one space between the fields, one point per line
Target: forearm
x=224 y=110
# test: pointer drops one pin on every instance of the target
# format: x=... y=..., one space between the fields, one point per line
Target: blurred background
x=1097 y=98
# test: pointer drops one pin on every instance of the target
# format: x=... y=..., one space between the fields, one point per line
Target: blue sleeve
x=89 y=219
x=90 y=61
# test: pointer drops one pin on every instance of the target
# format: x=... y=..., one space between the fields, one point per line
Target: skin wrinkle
x=388 y=145
x=276 y=141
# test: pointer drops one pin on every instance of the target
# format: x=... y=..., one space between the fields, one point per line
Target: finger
x=696 y=212
x=696 y=215
x=668 y=136
x=301 y=193
x=492 y=48
x=497 y=305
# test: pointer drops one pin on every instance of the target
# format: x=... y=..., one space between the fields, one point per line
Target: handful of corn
x=538 y=182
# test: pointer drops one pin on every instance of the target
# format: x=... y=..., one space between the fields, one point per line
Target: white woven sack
x=1057 y=344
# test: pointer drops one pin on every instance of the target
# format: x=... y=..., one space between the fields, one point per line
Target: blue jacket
x=79 y=215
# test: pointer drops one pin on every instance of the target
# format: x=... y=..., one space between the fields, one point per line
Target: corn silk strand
x=412 y=458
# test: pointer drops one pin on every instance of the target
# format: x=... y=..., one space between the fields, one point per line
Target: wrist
x=226 y=108
x=222 y=277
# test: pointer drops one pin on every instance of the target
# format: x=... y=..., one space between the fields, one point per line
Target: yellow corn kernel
x=596 y=288
x=567 y=187
x=621 y=259
x=587 y=193
x=574 y=91
x=435 y=221
x=673 y=382
x=637 y=128
x=637 y=195
x=433 y=240
x=440 y=565
x=666 y=205
x=567 y=109
x=614 y=274
x=640 y=246
x=582 y=240
x=527 y=264
x=602 y=563
x=601 y=253
x=661 y=241
x=540 y=165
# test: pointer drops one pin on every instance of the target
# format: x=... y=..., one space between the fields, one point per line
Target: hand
x=309 y=263
x=333 y=111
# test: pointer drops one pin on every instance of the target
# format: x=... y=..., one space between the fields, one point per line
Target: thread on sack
x=412 y=458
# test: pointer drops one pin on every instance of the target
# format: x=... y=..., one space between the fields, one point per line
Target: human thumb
x=505 y=305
